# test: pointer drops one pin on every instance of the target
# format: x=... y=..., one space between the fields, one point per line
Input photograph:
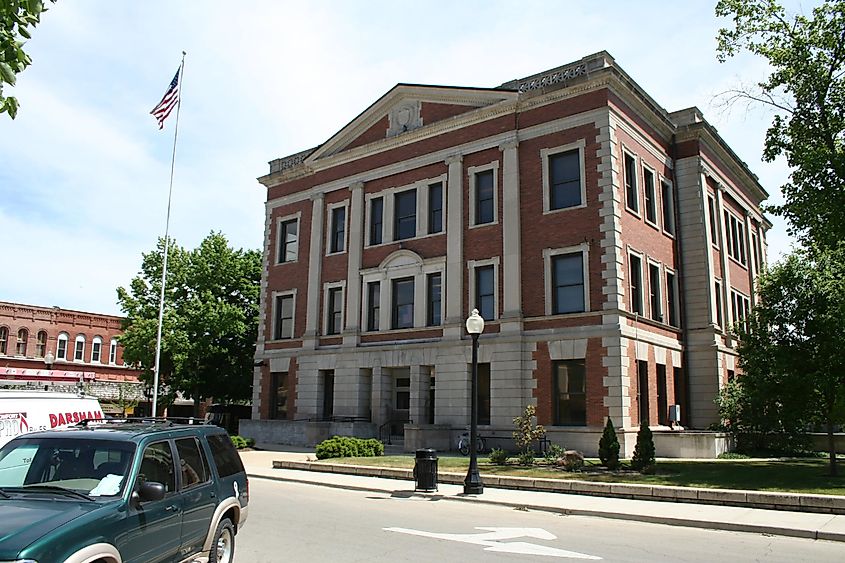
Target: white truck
x=28 y=411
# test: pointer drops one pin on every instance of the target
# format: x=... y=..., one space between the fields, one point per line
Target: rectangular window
x=376 y=220
x=403 y=303
x=570 y=392
x=79 y=352
x=567 y=283
x=565 y=179
x=662 y=399
x=373 y=305
x=96 y=348
x=112 y=352
x=4 y=339
x=717 y=289
x=405 y=224
x=755 y=250
x=484 y=212
x=668 y=207
x=435 y=208
x=288 y=241
x=61 y=349
x=279 y=395
x=672 y=298
x=650 y=196
x=327 y=379
x=335 y=313
x=735 y=236
x=338 y=229
x=485 y=300
x=434 y=296
x=631 y=196
x=740 y=307
x=711 y=207
x=642 y=390
x=636 y=285
x=284 y=317
x=655 y=295
x=484 y=393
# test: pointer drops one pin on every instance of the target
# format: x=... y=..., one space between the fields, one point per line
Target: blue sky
x=84 y=170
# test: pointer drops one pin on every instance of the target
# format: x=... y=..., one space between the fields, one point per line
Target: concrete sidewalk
x=259 y=464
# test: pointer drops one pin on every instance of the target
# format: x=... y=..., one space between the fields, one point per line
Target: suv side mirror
x=148 y=491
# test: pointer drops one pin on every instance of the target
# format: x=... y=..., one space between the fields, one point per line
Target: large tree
x=210 y=320
x=791 y=350
x=806 y=89
x=16 y=19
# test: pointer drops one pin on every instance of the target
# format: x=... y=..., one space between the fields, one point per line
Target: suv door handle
x=172 y=508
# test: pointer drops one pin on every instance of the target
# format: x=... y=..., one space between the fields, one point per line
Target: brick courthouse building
x=607 y=243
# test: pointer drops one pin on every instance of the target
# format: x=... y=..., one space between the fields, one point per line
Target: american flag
x=168 y=102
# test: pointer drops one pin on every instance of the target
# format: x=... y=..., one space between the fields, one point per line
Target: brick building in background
x=63 y=350
x=608 y=243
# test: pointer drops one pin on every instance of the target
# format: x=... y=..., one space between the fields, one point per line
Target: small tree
x=527 y=432
x=609 y=446
x=643 y=458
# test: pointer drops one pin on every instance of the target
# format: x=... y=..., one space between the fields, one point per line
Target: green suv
x=120 y=491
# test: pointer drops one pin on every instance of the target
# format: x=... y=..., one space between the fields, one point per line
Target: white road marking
x=491 y=540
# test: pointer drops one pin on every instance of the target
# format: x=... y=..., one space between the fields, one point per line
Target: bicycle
x=464 y=443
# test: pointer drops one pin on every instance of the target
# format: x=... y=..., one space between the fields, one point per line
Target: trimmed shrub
x=240 y=442
x=643 y=459
x=347 y=446
x=609 y=446
x=498 y=456
x=525 y=457
x=553 y=453
x=732 y=455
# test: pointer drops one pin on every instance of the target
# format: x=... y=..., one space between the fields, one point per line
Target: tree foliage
x=609 y=446
x=644 y=454
x=16 y=19
x=806 y=87
x=526 y=431
x=791 y=351
x=210 y=321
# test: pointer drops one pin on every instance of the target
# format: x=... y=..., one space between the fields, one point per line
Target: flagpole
x=167 y=240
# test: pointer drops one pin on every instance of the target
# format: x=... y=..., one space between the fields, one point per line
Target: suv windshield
x=92 y=467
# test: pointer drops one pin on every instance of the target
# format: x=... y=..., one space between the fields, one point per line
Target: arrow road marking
x=492 y=537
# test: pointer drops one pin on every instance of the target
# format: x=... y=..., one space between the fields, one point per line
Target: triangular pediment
x=407 y=107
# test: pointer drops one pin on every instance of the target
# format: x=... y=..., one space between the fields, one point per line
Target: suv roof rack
x=166 y=420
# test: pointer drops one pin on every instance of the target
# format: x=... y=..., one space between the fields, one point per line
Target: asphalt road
x=298 y=522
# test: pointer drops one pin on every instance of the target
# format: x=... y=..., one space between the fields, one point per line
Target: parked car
x=118 y=490
x=28 y=411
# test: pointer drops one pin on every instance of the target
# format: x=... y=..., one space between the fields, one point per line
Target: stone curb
x=795 y=502
x=458 y=479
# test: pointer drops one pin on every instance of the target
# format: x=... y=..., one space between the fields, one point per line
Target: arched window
x=113 y=351
x=61 y=347
x=96 y=349
x=79 y=349
x=23 y=338
x=4 y=339
x=41 y=344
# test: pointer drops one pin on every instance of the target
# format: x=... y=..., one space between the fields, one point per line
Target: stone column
x=353 y=275
x=511 y=270
x=416 y=413
x=453 y=285
x=727 y=313
x=315 y=261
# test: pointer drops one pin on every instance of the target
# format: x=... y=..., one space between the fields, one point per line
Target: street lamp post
x=472 y=482
x=48 y=362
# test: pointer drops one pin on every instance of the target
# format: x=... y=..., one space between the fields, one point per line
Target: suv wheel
x=223 y=547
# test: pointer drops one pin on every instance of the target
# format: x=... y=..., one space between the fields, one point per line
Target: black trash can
x=425 y=470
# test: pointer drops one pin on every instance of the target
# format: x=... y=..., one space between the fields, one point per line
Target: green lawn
x=789 y=475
